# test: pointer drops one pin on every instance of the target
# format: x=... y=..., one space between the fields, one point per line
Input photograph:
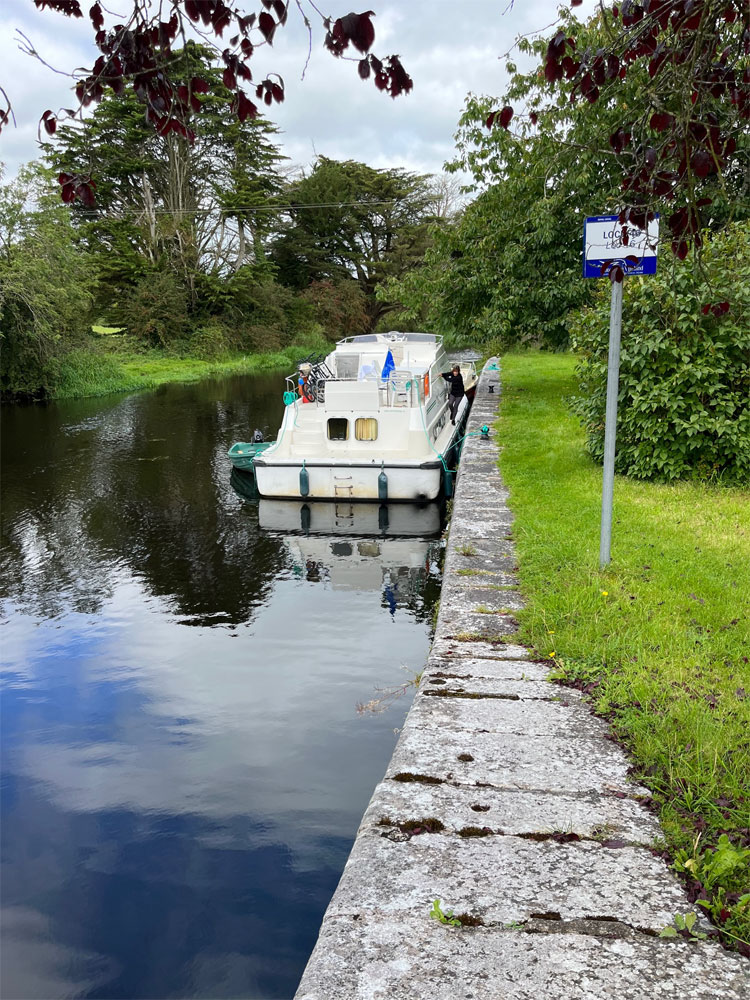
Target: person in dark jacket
x=456 y=382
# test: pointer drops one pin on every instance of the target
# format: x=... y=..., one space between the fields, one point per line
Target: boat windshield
x=393 y=337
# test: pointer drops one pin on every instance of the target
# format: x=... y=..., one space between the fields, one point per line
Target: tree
x=685 y=137
x=165 y=203
x=340 y=307
x=507 y=271
x=448 y=196
x=136 y=55
x=511 y=267
x=348 y=221
x=46 y=284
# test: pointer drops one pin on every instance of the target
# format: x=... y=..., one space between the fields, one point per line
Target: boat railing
x=402 y=389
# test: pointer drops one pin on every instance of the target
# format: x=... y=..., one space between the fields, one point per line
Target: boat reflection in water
x=243 y=484
x=366 y=519
x=391 y=549
x=360 y=546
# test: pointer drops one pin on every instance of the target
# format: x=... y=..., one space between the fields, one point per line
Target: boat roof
x=392 y=337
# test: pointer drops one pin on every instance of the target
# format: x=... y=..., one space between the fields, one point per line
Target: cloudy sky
x=449 y=47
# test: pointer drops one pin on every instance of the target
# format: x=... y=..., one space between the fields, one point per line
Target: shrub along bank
x=660 y=640
x=123 y=368
x=684 y=401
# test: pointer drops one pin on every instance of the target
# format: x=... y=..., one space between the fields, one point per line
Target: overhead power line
x=234 y=209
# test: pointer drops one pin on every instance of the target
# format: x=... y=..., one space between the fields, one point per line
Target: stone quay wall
x=506 y=801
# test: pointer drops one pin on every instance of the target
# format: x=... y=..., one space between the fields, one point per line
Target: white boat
x=370 y=422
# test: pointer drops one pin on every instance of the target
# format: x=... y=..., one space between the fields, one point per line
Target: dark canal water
x=184 y=767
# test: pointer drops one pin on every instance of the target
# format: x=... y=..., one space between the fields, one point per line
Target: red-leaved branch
x=138 y=53
x=679 y=144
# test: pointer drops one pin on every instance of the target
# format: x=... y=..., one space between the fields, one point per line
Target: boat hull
x=326 y=481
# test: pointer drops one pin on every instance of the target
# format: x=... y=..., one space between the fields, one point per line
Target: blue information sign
x=605 y=242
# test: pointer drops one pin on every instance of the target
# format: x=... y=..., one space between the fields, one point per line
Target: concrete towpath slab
x=507 y=801
x=399 y=959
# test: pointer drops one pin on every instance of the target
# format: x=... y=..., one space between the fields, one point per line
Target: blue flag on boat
x=389 y=365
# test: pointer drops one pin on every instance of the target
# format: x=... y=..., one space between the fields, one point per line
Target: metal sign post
x=608 y=243
x=610 y=423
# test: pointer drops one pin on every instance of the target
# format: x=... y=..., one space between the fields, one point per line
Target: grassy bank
x=660 y=641
x=96 y=373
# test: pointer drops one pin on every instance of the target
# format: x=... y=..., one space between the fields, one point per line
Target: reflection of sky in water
x=179 y=801
x=140 y=699
x=184 y=767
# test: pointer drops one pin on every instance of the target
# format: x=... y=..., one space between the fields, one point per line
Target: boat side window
x=366 y=429
x=338 y=429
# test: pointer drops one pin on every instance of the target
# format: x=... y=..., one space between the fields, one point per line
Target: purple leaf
x=661 y=120
x=267 y=26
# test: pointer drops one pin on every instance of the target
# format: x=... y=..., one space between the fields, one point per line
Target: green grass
x=86 y=373
x=660 y=639
x=107 y=331
x=90 y=373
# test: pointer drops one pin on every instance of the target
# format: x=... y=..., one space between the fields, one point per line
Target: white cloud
x=449 y=49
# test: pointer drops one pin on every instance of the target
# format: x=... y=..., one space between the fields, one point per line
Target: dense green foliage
x=46 y=284
x=658 y=640
x=351 y=222
x=338 y=305
x=509 y=270
x=684 y=399
x=169 y=214
x=199 y=249
x=496 y=274
x=154 y=307
x=684 y=141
